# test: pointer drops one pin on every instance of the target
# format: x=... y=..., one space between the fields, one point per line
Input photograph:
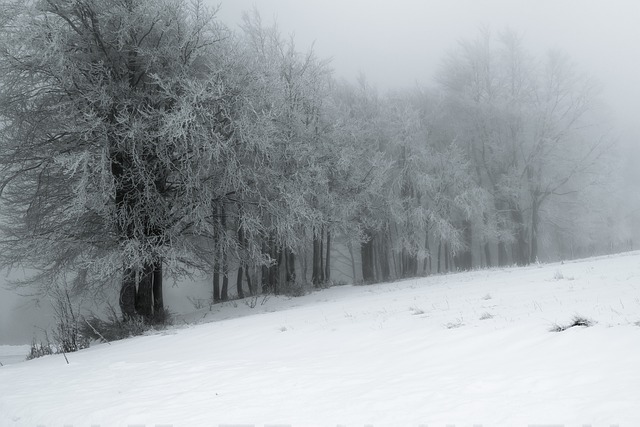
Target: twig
x=97 y=333
x=65 y=357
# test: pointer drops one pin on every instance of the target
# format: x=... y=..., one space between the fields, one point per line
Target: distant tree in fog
x=531 y=127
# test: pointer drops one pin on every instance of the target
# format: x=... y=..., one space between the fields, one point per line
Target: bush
x=114 y=328
x=294 y=289
x=39 y=349
x=67 y=335
x=576 y=321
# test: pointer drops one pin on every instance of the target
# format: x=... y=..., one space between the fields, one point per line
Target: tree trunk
x=291 y=266
x=502 y=254
x=216 y=281
x=216 y=259
x=520 y=247
x=224 y=292
x=239 y=289
x=264 y=270
x=250 y=282
x=317 y=255
x=327 y=265
x=320 y=254
x=535 y=219
x=428 y=256
x=376 y=260
x=305 y=265
x=446 y=256
x=383 y=255
x=144 y=296
x=487 y=254
x=158 y=298
x=270 y=273
x=128 y=294
x=466 y=257
x=353 y=262
x=239 y=283
x=366 y=252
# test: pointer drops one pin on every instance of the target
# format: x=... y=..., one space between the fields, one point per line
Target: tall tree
x=530 y=128
x=114 y=116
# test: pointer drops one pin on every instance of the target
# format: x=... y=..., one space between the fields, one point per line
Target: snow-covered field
x=13 y=353
x=462 y=349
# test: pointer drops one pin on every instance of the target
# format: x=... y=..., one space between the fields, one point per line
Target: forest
x=143 y=141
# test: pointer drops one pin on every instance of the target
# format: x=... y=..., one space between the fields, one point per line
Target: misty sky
x=400 y=43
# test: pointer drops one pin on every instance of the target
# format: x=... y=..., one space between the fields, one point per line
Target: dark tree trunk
x=291 y=266
x=404 y=263
x=535 y=219
x=239 y=289
x=327 y=264
x=383 y=259
x=466 y=257
x=128 y=294
x=224 y=292
x=216 y=257
x=353 y=263
x=487 y=254
x=270 y=273
x=316 y=275
x=216 y=281
x=321 y=257
x=366 y=252
x=446 y=257
x=239 y=283
x=305 y=266
x=158 y=298
x=250 y=282
x=376 y=260
x=439 y=257
x=520 y=246
x=264 y=270
x=144 y=296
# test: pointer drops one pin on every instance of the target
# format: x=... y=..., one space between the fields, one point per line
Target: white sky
x=401 y=42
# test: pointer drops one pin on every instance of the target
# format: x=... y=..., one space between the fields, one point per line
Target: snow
x=13 y=353
x=408 y=353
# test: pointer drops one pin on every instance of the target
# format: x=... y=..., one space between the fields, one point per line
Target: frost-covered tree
x=115 y=126
x=530 y=126
x=290 y=90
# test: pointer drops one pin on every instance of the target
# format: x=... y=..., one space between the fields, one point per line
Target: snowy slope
x=462 y=349
x=13 y=353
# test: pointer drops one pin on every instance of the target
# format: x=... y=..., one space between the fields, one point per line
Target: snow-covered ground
x=462 y=349
x=13 y=353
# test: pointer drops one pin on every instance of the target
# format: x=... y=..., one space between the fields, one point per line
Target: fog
x=401 y=44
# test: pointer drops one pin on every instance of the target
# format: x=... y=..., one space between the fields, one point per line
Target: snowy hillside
x=461 y=349
x=13 y=353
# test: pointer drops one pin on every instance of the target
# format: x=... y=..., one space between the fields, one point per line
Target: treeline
x=142 y=138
